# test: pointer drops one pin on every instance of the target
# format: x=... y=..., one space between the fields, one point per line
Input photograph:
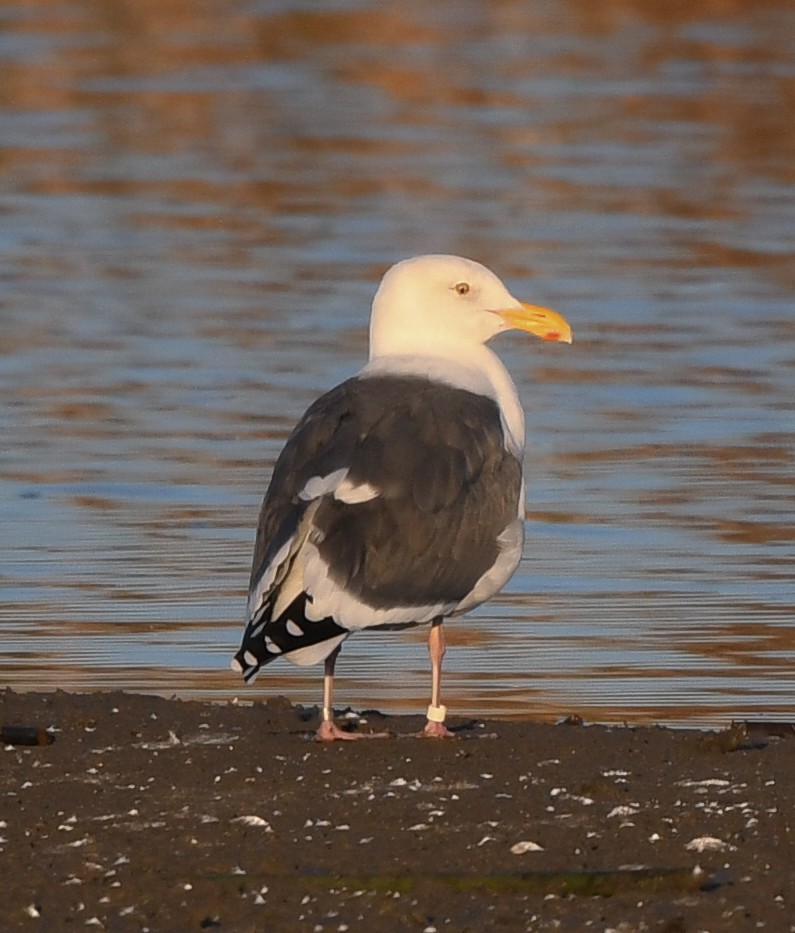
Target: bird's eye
x=462 y=288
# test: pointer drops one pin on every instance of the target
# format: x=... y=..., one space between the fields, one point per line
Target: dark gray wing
x=448 y=489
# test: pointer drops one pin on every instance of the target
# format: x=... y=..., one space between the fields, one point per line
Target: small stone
x=253 y=820
x=519 y=848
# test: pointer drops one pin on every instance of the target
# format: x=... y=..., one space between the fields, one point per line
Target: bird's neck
x=507 y=398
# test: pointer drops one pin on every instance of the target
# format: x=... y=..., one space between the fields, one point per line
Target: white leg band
x=436 y=713
x=328 y=714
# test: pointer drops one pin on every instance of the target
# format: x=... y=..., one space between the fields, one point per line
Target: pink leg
x=435 y=727
x=329 y=731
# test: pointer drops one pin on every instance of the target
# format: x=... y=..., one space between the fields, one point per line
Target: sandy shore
x=162 y=815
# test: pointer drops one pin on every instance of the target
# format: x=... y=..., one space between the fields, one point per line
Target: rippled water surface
x=197 y=203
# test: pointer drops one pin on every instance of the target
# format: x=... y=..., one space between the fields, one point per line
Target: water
x=196 y=207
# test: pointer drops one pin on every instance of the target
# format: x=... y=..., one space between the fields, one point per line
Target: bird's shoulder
x=381 y=425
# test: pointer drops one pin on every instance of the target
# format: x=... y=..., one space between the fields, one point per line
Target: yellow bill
x=543 y=322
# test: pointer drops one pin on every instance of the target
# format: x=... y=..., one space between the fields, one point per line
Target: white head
x=433 y=305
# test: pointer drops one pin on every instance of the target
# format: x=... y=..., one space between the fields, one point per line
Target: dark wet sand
x=162 y=815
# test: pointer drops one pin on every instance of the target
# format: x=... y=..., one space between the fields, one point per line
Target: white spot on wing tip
x=271 y=646
x=236 y=665
x=294 y=629
x=250 y=658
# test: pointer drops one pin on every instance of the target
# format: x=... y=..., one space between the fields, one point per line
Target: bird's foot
x=436 y=730
x=329 y=731
x=435 y=727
